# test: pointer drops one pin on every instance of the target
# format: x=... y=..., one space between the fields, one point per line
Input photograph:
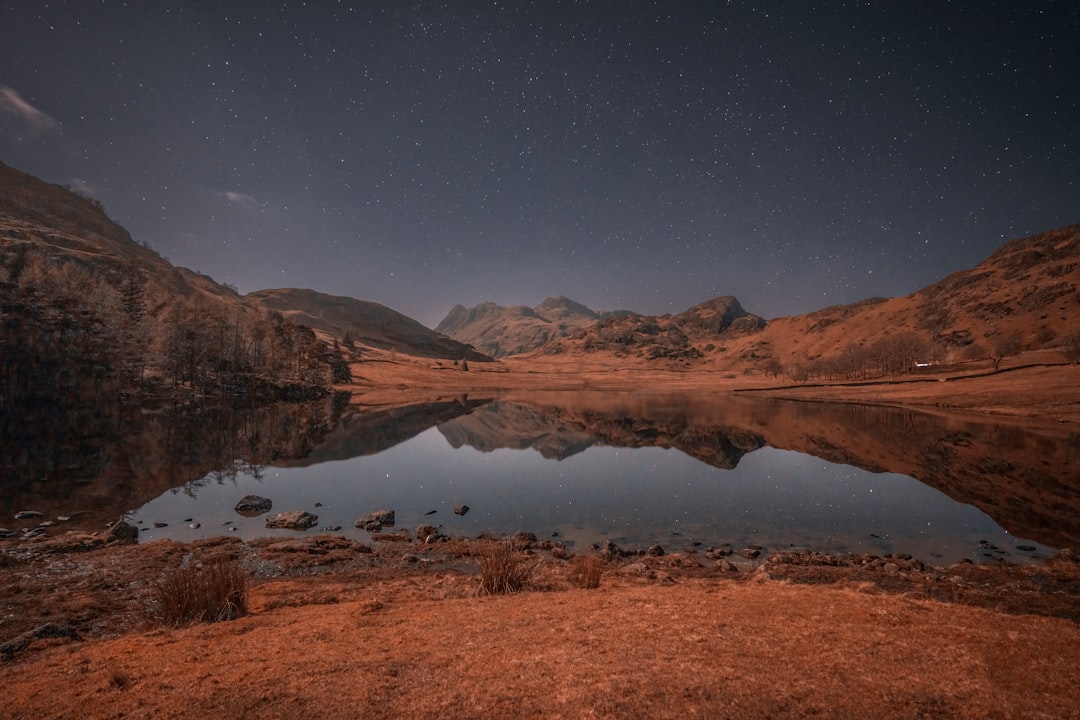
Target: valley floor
x=1034 y=388
x=397 y=630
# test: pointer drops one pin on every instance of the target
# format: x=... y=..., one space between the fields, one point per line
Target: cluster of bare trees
x=63 y=323
x=890 y=355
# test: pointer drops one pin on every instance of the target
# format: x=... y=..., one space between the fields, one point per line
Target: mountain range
x=1023 y=297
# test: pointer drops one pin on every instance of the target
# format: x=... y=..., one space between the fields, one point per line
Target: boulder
x=124 y=533
x=294 y=520
x=386 y=517
x=523 y=540
x=374 y=522
x=252 y=505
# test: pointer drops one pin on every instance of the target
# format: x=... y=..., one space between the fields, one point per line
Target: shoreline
x=408 y=619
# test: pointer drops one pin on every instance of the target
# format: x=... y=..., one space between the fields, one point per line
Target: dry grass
x=585 y=570
x=502 y=570
x=192 y=594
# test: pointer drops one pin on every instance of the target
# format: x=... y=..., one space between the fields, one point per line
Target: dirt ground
x=396 y=630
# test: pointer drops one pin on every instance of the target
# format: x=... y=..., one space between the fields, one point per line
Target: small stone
x=461 y=509
x=726 y=566
x=1026 y=548
x=750 y=552
x=318 y=504
x=431 y=512
x=160 y=525
x=28 y=515
x=655 y=551
x=371 y=526
x=891 y=568
x=425 y=531
x=332 y=528
x=195 y=526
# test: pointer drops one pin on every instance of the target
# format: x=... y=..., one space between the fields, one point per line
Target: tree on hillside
x=1072 y=347
x=1004 y=346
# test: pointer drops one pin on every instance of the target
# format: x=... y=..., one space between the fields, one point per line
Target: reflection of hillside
x=1025 y=479
x=366 y=432
x=515 y=426
x=557 y=433
x=97 y=460
x=93 y=461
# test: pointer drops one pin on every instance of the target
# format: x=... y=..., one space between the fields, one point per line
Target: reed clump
x=586 y=570
x=503 y=570
x=213 y=592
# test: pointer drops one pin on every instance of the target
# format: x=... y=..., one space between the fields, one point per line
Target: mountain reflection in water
x=120 y=459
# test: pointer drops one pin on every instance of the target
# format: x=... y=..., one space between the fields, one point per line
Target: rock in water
x=461 y=509
x=252 y=505
x=294 y=520
x=376 y=520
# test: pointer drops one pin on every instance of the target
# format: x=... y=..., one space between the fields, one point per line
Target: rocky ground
x=397 y=629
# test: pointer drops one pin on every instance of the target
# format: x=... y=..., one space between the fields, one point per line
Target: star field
x=634 y=155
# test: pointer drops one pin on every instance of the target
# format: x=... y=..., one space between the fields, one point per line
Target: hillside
x=1023 y=297
x=86 y=309
x=367 y=323
x=500 y=331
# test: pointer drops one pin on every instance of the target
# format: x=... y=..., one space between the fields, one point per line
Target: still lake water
x=668 y=470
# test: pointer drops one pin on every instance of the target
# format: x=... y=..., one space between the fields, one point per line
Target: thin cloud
x=242 y=200
x=12 y=103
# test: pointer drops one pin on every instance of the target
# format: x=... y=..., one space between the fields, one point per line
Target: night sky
x=635 y=155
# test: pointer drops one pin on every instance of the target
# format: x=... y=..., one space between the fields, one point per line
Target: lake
x=682 y=472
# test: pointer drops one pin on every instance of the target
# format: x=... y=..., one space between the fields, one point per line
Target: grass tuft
x=502 y=570
x=191 y=594
x=586 y=570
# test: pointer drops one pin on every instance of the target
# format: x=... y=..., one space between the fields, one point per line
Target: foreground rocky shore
x=397 y=627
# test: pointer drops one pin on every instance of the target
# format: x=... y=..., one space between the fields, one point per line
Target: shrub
x=502 y=570
x=192 y=594
x=586 y=570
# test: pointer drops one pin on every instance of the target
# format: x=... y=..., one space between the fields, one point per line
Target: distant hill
x=500 y=331
x=367 y=323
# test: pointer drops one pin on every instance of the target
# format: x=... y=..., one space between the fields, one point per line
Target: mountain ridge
x=501 y=330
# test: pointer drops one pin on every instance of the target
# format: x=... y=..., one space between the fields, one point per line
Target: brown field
x=401 y=633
